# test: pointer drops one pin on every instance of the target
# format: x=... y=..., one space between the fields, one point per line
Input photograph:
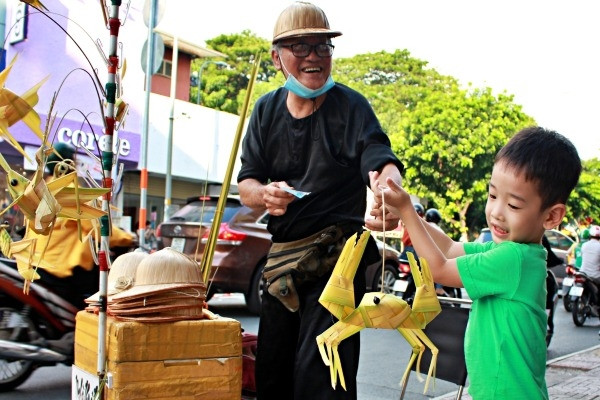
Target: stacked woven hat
x=120 y=276
x=167 y=286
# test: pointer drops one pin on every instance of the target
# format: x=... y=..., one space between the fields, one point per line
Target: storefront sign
x=84 y=135
x=91 y=140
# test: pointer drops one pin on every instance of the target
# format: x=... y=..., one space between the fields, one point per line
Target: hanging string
x=383 y=232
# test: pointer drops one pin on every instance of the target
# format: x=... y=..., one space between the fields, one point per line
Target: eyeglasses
x=304 y=49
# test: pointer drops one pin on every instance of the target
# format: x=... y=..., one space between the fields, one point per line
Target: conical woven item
x=302 y=19
x=121 y=274
x=160 y=298
x=161 y=317
x=162 y=271
x=181 y=307
x=158 y=318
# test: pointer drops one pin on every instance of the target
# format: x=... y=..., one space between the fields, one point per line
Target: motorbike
x=567 y=283
x=402 y=283
x=36 y=329
x=584 y=296
x=405 y=286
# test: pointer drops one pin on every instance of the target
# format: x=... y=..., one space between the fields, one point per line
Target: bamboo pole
x=206 y=263
x=107 y=165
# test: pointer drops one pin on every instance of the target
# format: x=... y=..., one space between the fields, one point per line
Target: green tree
x=585 y=199
x=447 y=137
x=394 y=83
x=225 y=89
x=448 y=143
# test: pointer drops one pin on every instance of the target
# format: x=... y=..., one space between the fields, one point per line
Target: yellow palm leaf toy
x=5 y=241
x=15 y=108
x=41 y=202
x=23 y=252
x=376 y=310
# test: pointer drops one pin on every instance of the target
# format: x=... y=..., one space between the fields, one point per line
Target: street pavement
x=574 y=376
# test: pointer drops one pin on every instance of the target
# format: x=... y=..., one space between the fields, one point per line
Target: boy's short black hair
x=547 y=158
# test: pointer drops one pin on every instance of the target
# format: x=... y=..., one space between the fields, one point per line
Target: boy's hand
x=397 y=200
x=276 y=200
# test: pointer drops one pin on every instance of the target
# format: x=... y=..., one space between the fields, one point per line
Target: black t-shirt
x=328 y=153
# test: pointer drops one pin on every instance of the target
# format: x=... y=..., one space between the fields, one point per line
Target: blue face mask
x=293 y=85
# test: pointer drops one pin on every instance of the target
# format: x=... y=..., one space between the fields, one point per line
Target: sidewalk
x=574 y=376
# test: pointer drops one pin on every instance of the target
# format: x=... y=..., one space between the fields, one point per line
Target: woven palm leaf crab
x=376 y=310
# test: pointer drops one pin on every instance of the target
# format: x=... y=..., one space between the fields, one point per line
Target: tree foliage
x=449 y=142
x=225 y=89
x=584 y=202
x=394 y=83
x=446 y=136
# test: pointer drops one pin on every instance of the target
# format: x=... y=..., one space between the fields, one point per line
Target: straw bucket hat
x=163 y=271
x=121 y=274
x=302 y=19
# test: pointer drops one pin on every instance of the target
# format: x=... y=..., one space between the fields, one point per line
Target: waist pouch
x=304 y=260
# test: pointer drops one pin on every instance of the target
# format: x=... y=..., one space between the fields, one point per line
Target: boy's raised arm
x=443 y=269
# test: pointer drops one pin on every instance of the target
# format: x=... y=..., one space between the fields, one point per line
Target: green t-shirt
x=505 y=341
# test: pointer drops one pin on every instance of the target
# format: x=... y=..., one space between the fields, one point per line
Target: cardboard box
x=136 y=341
x=196 y=359
x=210 y=379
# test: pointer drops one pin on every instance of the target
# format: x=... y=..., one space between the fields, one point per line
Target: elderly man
x=306 y=159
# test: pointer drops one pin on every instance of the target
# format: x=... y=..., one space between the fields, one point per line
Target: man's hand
x=377 y=211
x=376 y=223
x=276 y=200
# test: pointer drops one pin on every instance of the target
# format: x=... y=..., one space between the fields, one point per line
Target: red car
x=242 y=247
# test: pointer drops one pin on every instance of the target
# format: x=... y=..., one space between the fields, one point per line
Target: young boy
x=505 y=346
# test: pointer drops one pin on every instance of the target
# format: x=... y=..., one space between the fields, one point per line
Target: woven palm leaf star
x=14 y=108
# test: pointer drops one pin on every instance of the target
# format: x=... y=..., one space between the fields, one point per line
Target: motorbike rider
x=434 y=218
x=574 y=253
x=590 y=262
x=75 y=276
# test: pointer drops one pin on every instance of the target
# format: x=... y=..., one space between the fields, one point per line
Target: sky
x=544 y=52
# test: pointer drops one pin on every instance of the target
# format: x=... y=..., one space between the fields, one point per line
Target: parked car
x=559 y=242
x=242 y=246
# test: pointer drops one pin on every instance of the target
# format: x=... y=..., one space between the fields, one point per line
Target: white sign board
x=84 y=386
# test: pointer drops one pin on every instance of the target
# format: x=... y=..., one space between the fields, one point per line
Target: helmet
x=302 y=19
x=433 y=215
x=594 y=231
x=585 y=235
x=419 y=209
x=66 y=151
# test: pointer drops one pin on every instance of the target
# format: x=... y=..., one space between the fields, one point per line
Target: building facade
x=74 y=64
